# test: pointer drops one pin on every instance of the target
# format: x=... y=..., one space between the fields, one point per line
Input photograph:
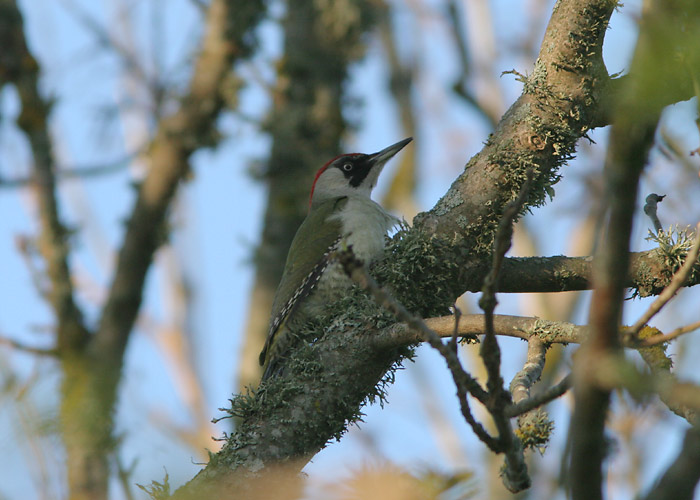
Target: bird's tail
x=272 y=368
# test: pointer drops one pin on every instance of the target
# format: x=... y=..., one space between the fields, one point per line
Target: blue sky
x=217 y=225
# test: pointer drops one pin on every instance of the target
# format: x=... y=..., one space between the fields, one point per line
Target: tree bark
x=293 y=417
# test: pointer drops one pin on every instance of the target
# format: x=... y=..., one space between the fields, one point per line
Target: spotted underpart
x=303 y=291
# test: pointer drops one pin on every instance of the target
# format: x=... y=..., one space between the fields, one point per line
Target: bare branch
x=647 y=274
x=20 y=346
x=532 y=370
x=21 y=68
x=178 y=136
x=465 y=383
x=540 y=399
x=661 y=339
x=515 y=476
x=521 y=327
x=83 y=172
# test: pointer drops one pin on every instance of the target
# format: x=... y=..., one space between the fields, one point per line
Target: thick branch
x=427 y=265
x=443 y=255
x=648 y=274
x=541 y=128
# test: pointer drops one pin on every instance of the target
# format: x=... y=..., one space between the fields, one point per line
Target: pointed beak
x=380 y=158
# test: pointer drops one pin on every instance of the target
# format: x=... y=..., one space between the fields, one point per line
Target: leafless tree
x=458 y=246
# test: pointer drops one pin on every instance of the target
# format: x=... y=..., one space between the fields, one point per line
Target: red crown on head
x=323 y=169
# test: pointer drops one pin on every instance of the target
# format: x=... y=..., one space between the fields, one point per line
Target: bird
x=341 y=214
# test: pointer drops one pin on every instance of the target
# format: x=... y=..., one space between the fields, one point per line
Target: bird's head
x=351 y=174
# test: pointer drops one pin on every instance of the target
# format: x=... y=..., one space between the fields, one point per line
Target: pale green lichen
x=447 y=203
x=534 y=429
x=674 y=243
x=462 y=222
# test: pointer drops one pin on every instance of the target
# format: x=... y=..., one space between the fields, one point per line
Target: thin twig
x=20 y=346
x=532 y=370
x=125 y=476
x=660 y=339
x=543 y=398
x=465 y=383
x=52 y=243
x=460 y=86
x=535 y=426
x=490 y=351
x=455 y=331
x=64 y=173
x=515 y=476
x=104 y=39
x=670 y=291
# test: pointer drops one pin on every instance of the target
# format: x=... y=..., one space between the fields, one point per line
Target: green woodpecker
x=341 y=212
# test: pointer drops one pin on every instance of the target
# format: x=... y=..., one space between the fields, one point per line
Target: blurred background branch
x=155 y=160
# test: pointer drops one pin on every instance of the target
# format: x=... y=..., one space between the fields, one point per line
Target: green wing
x=309 y=241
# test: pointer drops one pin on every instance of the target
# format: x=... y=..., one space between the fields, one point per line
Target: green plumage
x=301 y=274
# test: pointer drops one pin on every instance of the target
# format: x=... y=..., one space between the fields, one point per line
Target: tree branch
x=429 y=265
x=636 y=117
x=534 y=426
x=21 y=68
x=648 y=274
x=465 y=383
x=227 y=38
x=73 y=172
x=540 y=399
x=662 y=339
x=678 y=280
x=532 y=370
x=20 y=346
x=515 y=477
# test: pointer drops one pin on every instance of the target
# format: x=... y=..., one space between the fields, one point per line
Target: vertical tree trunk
x=88 y=395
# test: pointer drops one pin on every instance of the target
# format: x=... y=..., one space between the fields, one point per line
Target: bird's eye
x=347 y=167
